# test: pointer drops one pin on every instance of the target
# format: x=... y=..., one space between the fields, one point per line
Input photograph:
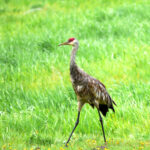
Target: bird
x=88 y=89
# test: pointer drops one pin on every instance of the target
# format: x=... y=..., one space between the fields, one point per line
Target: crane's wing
x=101 y=95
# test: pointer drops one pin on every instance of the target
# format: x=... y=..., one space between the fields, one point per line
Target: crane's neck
x=73 y=65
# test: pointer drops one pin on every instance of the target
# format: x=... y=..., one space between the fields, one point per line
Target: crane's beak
x=65 y=43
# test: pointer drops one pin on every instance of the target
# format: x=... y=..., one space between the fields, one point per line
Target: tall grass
x=37 y=103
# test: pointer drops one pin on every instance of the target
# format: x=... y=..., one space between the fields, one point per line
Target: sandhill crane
x=88 y=89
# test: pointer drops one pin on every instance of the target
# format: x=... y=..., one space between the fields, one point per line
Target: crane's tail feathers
x=112 y=108
x=103 y=108
x=114 y=103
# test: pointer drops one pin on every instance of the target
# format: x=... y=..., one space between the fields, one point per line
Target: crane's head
x=71 y=41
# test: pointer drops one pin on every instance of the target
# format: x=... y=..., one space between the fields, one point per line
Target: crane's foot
x=100 y=147
x=66 y=145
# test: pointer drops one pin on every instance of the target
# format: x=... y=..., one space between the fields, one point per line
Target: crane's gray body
x=88 y=89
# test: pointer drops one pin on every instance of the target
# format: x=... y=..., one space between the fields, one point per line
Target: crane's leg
x=101 y=120
x=77 y=122
x=80 y=105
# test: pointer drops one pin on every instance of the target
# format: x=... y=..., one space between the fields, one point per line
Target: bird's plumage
x=88 y=89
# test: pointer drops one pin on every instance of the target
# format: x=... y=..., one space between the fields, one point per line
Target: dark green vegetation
x=37 y=104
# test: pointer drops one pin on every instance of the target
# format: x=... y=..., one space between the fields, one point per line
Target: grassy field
x=38 y=107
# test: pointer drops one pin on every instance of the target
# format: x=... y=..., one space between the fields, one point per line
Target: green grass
x=38 y=107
